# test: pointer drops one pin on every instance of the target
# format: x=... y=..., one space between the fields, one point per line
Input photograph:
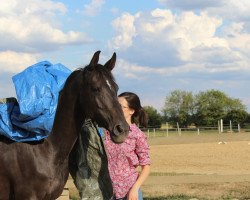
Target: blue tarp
x=31 y=116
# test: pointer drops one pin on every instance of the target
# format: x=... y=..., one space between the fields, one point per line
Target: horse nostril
x=118 y=129
x=119 y=133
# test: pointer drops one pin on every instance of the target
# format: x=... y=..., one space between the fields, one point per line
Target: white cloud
x=191 y=5
x=190 y=31
x=31 y=27
x=195 y=70
x=230 y=9
x=155 y=22
x=93 y=8
x=15 y=62
x=161 y=42
x=124 y=26
x=134 y=71
x=238 y=39
x=31 y=7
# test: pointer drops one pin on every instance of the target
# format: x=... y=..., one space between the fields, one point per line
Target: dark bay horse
x=39 y=170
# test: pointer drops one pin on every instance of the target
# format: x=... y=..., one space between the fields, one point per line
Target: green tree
x=179 y=107
x=203 y=109
x=154 y=118
x=248 y=118
x=235 y=104
x=236 y=116
x=213 y=105
x=247 y=121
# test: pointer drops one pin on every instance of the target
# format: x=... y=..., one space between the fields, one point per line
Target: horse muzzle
x=119 y=133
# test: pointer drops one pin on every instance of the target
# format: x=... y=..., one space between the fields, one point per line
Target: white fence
x=166 y=131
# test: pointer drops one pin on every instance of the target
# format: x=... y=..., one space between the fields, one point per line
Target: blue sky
x=161 y=45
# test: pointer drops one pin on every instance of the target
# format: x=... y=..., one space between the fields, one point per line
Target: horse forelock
x=100 y=73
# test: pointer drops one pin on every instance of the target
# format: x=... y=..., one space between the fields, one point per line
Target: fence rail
x=155 y=132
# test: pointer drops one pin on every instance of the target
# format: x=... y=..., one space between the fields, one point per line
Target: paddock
x=205 y=166
x=210 y=166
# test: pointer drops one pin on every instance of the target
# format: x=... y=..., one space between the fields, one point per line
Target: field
x=205 y=166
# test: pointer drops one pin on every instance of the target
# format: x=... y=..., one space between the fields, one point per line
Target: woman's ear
x=131 y=111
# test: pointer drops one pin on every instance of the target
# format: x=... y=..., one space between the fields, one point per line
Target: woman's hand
x=133 y=193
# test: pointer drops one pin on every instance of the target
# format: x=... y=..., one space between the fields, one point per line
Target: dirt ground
x=214 y=166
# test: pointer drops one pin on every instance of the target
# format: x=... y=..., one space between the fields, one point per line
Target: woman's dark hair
x=140 y=116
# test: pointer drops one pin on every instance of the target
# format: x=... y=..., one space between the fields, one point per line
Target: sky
x=161 y=45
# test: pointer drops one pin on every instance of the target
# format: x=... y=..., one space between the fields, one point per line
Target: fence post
x=167 y=129
x=198 y=131
x=154 y=132
x=231 y=130
x=178 y=129
x=148 y=133
x=239 y=128
x=219 y=126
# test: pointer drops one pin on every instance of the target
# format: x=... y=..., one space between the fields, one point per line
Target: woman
x=124 y=158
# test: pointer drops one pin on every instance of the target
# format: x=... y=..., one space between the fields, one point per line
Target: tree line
x=202 y=109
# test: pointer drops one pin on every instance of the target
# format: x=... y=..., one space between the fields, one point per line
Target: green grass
x=169 y=174
x=175 y=197
x=74 y=198
x=184 y=197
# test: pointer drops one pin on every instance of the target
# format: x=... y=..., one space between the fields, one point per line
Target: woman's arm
x=133 y=193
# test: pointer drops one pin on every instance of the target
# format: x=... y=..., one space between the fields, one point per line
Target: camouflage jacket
x=89 y=165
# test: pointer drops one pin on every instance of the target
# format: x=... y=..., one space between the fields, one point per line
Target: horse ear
x=111 y=63
x=95 y=59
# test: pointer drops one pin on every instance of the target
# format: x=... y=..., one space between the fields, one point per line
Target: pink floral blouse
x=124 y=158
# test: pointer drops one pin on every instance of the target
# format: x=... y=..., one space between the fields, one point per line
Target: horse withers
x=39 y=170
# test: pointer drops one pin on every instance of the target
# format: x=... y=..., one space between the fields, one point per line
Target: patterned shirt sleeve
x=142 y=149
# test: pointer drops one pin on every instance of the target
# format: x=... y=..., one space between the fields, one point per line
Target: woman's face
x=128 y=112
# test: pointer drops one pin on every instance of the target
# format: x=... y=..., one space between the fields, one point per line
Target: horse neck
x=67 y=125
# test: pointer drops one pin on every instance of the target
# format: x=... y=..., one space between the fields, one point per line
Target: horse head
x=99 y=98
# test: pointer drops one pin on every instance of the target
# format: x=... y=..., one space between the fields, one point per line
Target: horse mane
x=69 y=80
x=72 y=77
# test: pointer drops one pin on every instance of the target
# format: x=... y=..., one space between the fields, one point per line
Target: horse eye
x=96 y=89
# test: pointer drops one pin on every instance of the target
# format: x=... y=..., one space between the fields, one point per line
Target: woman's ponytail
x=142 y=118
